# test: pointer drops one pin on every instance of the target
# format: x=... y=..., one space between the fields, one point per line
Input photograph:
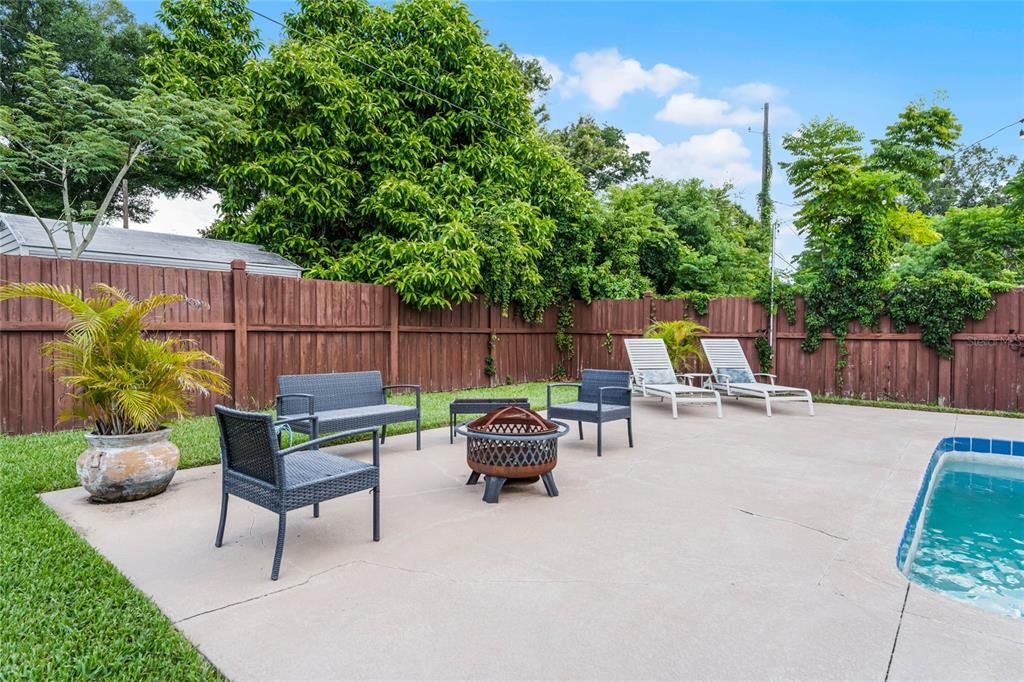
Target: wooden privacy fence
x=261 y=326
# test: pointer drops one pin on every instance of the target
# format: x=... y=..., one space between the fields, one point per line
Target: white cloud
x=550 y=68
x=755 y=91
x=181 y=216
x=691 y=110
x=717 y=157
x=605 y=76
x=642 y=143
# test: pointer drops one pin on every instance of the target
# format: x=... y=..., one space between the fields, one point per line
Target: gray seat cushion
x=305 y=468
x=358 y=418
x=581 y=411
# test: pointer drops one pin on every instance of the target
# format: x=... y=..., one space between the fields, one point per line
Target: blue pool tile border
x=986 y=446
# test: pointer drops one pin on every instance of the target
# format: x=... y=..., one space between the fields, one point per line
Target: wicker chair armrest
x=771 y=377
x=550 y=386
x=278 y=401
x=314 y=422
x=415 y=386
x=602 y=389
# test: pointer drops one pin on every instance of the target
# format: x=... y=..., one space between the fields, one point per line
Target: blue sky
x=685 y=80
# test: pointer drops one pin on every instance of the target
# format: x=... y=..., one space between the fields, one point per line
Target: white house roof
x=23 y=235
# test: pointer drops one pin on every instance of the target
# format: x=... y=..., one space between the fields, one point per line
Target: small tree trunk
x=124 y=204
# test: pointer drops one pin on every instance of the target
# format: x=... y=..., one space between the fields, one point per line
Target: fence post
x=649 y=313
x=492 y=332
x=239 y=291
x=393 y=305
x=945 y=385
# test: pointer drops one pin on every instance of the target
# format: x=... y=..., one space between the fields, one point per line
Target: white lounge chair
x=731 y=374
x=653 y=374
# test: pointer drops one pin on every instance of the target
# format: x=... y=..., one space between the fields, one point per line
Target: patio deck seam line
x=266 y=594
x=795 y=523
x=896 y=637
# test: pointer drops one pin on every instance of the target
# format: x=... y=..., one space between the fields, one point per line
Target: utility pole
x=766 y=198
x=124 y=203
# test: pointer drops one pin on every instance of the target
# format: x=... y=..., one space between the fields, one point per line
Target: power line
x=965 y=147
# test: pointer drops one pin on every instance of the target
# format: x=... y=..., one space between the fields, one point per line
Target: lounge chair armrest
x=550 y=386
x=771 y=377
x=317 y=442
x=281 y=397
x=415 y=386
x=690 y=376
x=601 y=390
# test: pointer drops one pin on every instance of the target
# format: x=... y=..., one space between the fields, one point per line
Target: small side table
x=478 y=406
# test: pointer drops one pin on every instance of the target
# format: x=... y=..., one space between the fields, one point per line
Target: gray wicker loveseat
x=343 y=401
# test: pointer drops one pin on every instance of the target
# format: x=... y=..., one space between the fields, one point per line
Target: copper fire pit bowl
x=512 y=445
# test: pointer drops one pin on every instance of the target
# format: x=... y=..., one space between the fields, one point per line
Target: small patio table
x=478 y=406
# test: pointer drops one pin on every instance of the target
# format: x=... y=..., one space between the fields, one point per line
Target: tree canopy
x=600 y=153
x=78 y=141
x=354 y=169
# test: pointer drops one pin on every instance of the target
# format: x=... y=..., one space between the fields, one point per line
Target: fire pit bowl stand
x=512 y=445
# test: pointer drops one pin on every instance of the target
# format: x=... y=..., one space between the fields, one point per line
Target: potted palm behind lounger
x=653 y=374
x=731 y=374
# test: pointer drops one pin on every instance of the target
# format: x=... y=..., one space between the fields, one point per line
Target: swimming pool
x=965 y=534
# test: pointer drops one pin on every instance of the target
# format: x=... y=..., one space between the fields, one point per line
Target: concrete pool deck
x=747 y=547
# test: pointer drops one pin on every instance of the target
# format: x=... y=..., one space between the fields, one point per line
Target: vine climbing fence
x=260 y=327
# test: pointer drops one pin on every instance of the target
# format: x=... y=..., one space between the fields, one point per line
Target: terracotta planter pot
x=122 y=468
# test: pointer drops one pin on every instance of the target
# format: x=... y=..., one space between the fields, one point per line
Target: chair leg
x=280 y=545
x=383 y=433
x=376 y=514
x=473 y=478
x=223 y=518
x=451 y=429
x=768 y=405
x=675 y=408
x=418 y=429
x=598 y=439
x=549 y=484
x=580 y=424
x=316 y=510
x=810 y=403
x=718 y=406
x=629 y=430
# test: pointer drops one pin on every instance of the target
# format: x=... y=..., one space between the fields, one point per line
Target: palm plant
x=121 y=379
x=682 y=339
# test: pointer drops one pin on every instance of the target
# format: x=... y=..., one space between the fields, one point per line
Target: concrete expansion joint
x=791 y=522
x=258 y=597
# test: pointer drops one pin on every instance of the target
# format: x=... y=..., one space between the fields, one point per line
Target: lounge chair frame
x=649 y=355
x=727 y=354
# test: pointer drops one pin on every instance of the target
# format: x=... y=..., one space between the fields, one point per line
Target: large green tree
x=854 y=211
x=600 y=153
x=395 y=145
x=975 y=176
x=98 y=42
x=985 y=241
x=78 y=140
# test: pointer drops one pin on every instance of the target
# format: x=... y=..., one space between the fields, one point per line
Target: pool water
x=971 y=545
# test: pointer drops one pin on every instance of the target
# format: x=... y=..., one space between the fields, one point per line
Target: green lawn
x=65 y=612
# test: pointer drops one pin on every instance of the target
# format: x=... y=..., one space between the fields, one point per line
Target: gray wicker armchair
x=604 y=395
x=254 y=468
